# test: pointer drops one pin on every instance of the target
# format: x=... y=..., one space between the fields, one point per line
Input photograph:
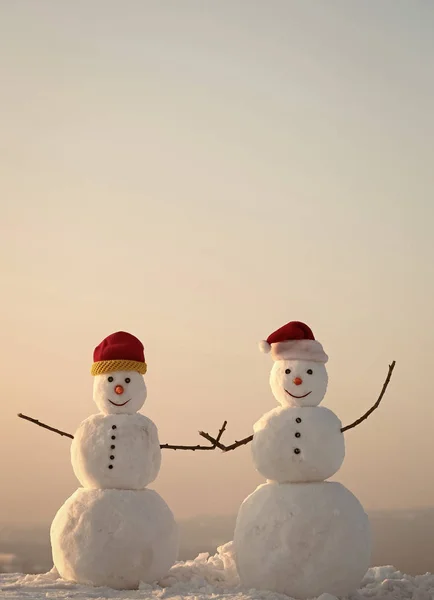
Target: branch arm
x=239 y=443
x=36 y=422
x=193 y=448
x=376 y=405
x=233 y=446
x=215 y=443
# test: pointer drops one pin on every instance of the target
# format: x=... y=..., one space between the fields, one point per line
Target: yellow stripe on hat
x=108 y=366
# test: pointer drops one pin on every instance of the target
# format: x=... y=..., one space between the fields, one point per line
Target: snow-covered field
x=204 y=578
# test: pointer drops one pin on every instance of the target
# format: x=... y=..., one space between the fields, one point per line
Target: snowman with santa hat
x=299 y=534
x=114 y=531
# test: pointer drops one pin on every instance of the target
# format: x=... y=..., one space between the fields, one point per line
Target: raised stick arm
x=163 y=446
x=377 y=404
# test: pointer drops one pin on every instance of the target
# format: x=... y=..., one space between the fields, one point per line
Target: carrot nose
x=297 y=380
x=119 y=390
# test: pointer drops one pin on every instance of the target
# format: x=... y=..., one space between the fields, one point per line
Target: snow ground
x=208 y=578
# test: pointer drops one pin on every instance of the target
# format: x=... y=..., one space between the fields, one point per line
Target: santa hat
x=119 y=351
x=294 y=341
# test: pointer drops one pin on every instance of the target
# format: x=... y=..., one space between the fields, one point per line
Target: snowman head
x=298 y=376
x=118 y=368
x=298 y=382
x=119 y=392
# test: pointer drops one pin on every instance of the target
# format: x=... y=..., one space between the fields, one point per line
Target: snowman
x=299 y=534
x=114 y=531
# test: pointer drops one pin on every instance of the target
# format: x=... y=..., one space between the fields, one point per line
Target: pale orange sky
x=199 y=174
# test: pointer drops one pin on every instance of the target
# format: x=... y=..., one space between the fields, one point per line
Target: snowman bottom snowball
x=302 y=539
x=114 y=538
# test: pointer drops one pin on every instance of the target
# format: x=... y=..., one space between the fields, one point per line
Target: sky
x=198 y=174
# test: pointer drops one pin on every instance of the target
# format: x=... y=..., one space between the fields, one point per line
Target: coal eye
x=110 y=379
x=309 y=372
x=127 y=380
x=287 y=371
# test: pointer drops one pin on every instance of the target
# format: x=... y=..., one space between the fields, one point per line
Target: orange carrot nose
x=119 y=389
x=296 y=380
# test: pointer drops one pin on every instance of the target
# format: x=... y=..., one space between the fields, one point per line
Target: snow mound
x=208 y=578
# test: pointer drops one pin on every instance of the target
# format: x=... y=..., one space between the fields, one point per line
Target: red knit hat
x=294 y=341
x=119 y=351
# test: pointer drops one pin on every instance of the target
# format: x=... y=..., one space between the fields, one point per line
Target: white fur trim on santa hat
x=299 y=350
x=264 y=346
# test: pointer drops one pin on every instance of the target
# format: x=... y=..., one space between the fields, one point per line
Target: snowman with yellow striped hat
x=114 y=531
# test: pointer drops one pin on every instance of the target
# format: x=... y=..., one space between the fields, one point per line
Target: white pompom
x=264 y=346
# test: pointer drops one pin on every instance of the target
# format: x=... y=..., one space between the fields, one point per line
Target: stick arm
x=376 y=405
x=36 y=422
x=215 y=443
x=218 y=444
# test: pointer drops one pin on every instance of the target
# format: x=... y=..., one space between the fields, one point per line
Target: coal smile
x=114 y=403
x=292 y=395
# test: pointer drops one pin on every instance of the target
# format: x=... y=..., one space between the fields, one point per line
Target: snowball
x=298 y=444
x=302 y=539
x=128 y=401
x=114 y=538
x=304 y=384
x=136 y=454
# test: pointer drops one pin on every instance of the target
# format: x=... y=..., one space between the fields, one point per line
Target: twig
x=376 y=405
x=215 y=443
x=45 y=426
x=175 y=447
x=239 y=443
x=223 y=427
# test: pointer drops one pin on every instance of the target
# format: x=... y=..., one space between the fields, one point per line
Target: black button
x=297 y=450
x=298 y=420
x=112 y=447
x=113 y=437
x=113 y=426
x=110 y=466
x=297 y=434
x=112 y=457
